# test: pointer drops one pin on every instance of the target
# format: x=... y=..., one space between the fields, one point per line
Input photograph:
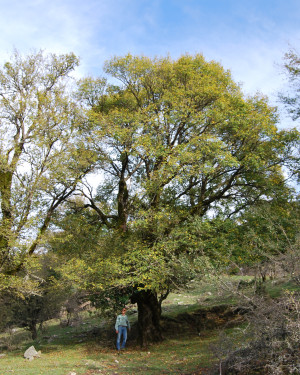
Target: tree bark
x=123 y=195
x=33 y=329
x=149 y=314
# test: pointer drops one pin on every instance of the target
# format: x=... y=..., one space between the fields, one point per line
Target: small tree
x=30 y=309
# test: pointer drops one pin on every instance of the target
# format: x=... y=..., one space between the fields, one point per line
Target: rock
x=31 y=353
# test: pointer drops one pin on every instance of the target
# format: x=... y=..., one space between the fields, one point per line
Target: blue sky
x=247 y=37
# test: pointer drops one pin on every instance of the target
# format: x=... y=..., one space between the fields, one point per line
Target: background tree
x=291 y=68
x=40 y=147
x=291 y=98
x=260 y=240
x=177 y=143
x=32 y=309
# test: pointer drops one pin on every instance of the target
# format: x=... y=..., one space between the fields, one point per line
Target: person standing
x=121 y=326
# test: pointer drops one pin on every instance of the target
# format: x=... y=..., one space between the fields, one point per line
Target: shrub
x=272 y=340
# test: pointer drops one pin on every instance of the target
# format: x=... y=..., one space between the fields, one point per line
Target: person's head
x=123 y=311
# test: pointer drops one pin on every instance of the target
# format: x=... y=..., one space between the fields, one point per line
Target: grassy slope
x=89 y=348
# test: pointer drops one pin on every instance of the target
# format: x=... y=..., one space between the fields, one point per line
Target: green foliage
x=42 y=152
x=262 y=235
x=181 y=131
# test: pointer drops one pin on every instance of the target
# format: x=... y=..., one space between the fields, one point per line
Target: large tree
x=177 y=142
x=40 y=147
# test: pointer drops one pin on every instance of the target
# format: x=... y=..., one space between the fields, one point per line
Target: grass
x=81 y=351
x=173 y=356
x=177 y=355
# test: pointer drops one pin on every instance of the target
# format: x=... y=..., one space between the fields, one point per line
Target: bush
x=272 y=340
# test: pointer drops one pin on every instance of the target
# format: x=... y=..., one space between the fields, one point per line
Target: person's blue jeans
x=122 y=331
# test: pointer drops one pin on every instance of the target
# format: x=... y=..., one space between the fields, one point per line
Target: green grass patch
x=173 y=356
x=277 y=289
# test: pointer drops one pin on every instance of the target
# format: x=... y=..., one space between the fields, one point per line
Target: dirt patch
x=203 y=319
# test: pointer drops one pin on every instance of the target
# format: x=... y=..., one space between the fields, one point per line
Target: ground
x=192 y=323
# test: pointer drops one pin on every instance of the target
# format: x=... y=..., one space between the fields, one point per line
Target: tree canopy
x=182 y=131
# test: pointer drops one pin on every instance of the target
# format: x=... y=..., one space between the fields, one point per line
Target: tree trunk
x=149 y=314
x=123 y=195
x=33 y=330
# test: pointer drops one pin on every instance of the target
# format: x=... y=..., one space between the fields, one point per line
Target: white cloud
x=56 y=26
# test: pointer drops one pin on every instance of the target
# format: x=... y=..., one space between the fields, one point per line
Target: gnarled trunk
x=149 y=314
